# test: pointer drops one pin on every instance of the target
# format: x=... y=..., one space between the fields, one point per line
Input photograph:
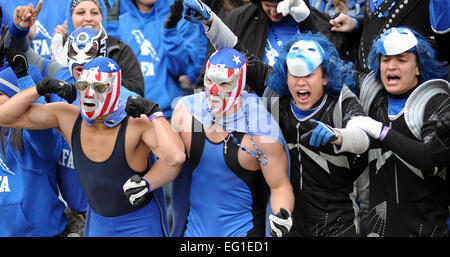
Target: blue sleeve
x=47 y=143
x=17 y=31
x=64 y=74
x=6 y=18
x=180 y=46
x=440 y=15
x=194 y=71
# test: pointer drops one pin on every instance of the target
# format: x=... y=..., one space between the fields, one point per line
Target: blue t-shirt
x=278 y=35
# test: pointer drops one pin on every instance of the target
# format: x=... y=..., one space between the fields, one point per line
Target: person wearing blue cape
x=235 y=150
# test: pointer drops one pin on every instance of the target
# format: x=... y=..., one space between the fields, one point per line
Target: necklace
x=275 y=35
x=382 y=14
x=254 y=154
x=225 y=140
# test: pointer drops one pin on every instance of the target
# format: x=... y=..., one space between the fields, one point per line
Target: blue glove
x=196 y=9
x=320 y=135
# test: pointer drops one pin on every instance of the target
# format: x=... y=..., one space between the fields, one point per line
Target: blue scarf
x=113 y=119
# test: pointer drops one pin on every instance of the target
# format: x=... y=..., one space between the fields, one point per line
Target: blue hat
x=8 y=80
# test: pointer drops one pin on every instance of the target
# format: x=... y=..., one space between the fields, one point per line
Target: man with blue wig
x=310 y=94
x=408 y=100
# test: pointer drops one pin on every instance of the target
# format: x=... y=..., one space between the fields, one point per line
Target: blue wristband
x=149 y=185
x=18 y=31
x=356 y=22
x=155 y=115
x=384 y=133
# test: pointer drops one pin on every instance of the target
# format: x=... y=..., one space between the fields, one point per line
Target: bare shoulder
x=181 y=119
x=62 y=115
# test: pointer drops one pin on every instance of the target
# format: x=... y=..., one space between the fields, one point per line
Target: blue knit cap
x=8 y=80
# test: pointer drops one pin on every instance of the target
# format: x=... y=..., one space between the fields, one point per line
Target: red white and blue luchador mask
x=99 y=87
x=225 y=65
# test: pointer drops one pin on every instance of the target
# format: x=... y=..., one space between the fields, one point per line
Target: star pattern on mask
x=236 y=59
x=111 y=66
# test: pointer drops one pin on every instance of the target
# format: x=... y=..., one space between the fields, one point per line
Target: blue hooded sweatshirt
x=29 y=202
x=47 y=20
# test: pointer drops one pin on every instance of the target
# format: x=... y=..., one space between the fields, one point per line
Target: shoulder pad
x=417 y=101
x=369 y=89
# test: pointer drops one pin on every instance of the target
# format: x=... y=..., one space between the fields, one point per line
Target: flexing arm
x=276 y=175
x=24 y=18
x=20 y=112
x=159 y=136
x=163 y=141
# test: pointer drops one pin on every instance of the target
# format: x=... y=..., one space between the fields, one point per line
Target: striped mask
x=99 y=87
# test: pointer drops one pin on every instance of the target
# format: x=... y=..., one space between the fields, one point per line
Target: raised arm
x=24 y=18
x=159 y=136
x=19 y=112
x=163 y=141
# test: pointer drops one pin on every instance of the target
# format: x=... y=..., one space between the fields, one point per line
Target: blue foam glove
x=196 y=11
x=320 y=135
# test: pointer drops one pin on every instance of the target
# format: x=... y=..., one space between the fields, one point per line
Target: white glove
x=372 y=127
x=137 y=190
x=296 y=8
x=58 y=49
x=281 y=223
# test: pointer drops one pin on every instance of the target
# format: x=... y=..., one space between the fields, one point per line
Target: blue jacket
x=164 y=54
x=47 y=20
x=29 y=202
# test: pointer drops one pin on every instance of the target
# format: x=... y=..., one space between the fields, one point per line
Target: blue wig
x=426 y=56
x=338 y=71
